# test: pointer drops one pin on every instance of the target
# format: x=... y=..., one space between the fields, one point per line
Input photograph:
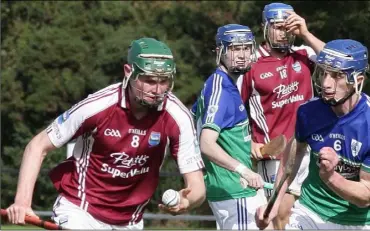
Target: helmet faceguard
x=273 y=15
x=236 y=48
x=342 y=58
x=153 y=59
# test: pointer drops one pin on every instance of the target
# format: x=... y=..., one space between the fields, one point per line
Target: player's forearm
x=196 y=197
x=216 y=154
x=197 y=194
x=311 y=40
x=356 y=193
x=30 y=167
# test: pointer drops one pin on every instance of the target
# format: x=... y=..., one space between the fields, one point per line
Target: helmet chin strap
x=333 y=102
x=236 y=70
x=276 y=48
x=357 y=89
x=281 y=49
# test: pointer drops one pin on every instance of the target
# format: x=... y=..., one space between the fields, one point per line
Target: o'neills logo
x=284 y=90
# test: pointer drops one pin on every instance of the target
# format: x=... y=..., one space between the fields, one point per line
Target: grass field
x=18 y=227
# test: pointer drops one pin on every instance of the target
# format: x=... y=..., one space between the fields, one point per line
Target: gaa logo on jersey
x=297 y=66
x=63 y=117
x=154 y=139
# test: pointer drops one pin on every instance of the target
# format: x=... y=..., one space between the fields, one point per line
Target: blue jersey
x=349 y=135
x=223 y=102
x=220 y=107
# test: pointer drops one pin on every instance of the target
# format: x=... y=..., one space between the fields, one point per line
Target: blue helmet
x=231 y=35
x=345 y=56
x=275 y=13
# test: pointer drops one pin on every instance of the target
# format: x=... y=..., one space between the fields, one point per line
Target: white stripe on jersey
x=239 y=83
x=188 y=154
x=60 y=133
x=166 y=151
x=215 y=97
x=310 y=52
x=367 y=99
x=86 y=206
x=138 y=210
x=95 y=95
x=257 y=113
x=172 y=97
x=262 y=50
x=82 y=163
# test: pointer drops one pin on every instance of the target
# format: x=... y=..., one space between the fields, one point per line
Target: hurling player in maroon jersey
x=275 y=86
x=122 y=133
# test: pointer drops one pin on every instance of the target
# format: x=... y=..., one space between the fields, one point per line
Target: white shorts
x=268 y=170
x=238 y=213
x=71 y=216
x=303 y=218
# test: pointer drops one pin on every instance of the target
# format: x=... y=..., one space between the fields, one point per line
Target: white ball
x=171 y=198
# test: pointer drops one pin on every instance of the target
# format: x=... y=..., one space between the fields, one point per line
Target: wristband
x=240 y=169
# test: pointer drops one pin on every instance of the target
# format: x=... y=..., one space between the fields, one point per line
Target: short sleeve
x=216 y=105
x=184 y=145
x=81 y=118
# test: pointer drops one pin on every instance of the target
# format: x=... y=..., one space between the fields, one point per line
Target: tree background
x=55 y=53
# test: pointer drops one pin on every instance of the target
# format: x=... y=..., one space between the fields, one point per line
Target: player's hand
x=295 y=24
x=251 y=179
x=17 y=213
x=182 y=207
x=328 y=160
x=262 y=222
x=256 y=150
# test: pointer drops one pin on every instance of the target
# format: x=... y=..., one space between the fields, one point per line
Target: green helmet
x=151 y=57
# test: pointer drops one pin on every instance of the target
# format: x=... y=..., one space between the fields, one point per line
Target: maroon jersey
x=114 y=169
x=272 y=91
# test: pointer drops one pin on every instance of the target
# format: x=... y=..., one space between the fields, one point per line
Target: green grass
x=19 y=227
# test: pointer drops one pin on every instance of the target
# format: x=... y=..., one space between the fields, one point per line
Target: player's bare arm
x=297 y=160
x=33 y=155
x=357 y=193
x=192 y=196
x=214 y=152
x=210 y=148
x=297 y=25
x=194 y=181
